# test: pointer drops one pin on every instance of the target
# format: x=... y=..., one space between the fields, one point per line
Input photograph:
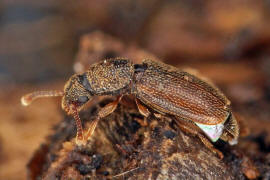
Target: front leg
x=103 y=112
x=79 y=137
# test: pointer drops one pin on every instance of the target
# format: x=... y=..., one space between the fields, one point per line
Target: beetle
x=198 y=106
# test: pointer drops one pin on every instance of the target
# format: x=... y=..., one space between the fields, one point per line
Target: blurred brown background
x=227 y=41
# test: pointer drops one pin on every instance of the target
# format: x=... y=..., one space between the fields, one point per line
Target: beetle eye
x=82 y=99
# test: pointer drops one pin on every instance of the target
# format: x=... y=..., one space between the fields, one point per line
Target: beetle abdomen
x=169 y=90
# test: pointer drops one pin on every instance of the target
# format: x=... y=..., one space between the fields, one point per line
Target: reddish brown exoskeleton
x=199 y=107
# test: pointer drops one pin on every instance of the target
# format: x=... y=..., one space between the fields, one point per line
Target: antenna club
x=29 y=98
x=26 y=100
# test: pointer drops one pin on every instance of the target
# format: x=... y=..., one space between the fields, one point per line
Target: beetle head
x=75 y=95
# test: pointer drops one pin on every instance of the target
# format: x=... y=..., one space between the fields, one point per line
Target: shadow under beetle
x=200 y=108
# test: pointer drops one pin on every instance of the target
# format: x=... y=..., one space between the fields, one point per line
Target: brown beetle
x=199 y=107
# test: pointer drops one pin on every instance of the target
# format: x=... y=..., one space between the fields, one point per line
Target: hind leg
x=204 y=140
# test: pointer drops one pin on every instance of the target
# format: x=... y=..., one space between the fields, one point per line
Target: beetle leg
x=204 y=140
x=210 y=146
x=143 y=111
x=92 y=128
x=79 y=136
x=103 y=112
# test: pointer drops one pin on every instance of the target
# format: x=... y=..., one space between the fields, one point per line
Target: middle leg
x=143 y=111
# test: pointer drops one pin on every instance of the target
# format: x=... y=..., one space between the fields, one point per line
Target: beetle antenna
x=29 y=98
